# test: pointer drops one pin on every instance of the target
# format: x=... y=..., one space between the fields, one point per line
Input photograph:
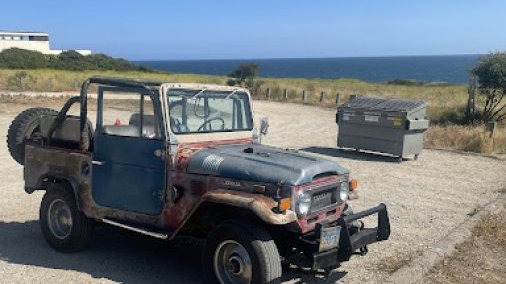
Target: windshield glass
x=205 y=111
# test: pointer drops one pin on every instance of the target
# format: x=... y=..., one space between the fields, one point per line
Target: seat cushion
x=121 y=130
x=69 y=129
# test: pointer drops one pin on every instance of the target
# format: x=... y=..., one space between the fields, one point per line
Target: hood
x=260 y=163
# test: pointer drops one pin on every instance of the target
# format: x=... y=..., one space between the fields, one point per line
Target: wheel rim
x=232 y=263
x=59 y=219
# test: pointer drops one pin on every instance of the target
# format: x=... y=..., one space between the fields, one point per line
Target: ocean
x=442 y=68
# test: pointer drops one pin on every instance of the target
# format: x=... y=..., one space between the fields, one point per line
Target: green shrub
x=16 y=58
x=441 y=115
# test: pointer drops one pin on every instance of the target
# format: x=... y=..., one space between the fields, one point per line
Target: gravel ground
x=426 y=199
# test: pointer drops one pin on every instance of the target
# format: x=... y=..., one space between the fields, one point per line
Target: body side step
x=136 y=229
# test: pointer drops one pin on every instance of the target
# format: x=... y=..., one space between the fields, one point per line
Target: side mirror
x=264 y=125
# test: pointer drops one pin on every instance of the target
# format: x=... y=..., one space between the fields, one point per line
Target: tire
x=24 y=126
x=60 y=201
x=254 y=240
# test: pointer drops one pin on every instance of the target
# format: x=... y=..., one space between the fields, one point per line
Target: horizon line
x=324 y=57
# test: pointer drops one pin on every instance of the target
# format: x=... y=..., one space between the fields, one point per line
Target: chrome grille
x=324 y=197
x=321 y=200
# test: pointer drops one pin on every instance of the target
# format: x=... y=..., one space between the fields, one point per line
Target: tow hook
x=363 y=251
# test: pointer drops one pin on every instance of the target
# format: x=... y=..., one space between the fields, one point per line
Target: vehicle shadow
x=296 y=275
x=115 y=255
x=351 y=154
x=122 y=256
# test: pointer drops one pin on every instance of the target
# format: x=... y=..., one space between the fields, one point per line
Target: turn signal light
x=284 y=204
x=353 y=184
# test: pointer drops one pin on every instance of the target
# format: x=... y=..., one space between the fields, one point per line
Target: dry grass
x=438 y=97
x=481 y=259
x=47 y=80
x=393 y=263
x=473 y=138
x=441 y=99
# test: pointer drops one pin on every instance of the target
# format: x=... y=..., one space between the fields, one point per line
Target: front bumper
x=351 y=238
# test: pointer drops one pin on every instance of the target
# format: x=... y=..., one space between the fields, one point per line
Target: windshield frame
x=200 y=89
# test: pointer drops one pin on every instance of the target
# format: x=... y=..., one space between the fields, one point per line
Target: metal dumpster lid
x=383 y=104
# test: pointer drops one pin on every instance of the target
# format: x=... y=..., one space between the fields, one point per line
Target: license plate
x=329 y=238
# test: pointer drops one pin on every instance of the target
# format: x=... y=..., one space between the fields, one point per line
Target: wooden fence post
x=268 y=95
x=286 y=94
x=304 y=95
x=322 y=96
x=338 y=99
x=471 y=96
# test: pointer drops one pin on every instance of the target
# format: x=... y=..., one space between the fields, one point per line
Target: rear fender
x=47 y=182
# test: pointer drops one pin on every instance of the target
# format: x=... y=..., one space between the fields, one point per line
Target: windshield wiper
x=198 y=94
x=232 y=93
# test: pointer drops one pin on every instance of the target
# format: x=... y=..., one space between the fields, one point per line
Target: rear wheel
x=24 y=126
x=64 y=227
x=238 y=252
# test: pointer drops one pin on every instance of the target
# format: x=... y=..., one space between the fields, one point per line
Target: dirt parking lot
x=426 y=198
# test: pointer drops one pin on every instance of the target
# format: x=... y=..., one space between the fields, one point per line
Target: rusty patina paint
x=58 y=163
x=195 y=189
x=44 y=165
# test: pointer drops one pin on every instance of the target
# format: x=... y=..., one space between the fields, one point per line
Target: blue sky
x=194 y=29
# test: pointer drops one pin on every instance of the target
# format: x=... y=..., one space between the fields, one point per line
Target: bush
x=441 y=115
x=245 y=74
x=69 y=60
x=20 y=81
x=16 y=58
x=104 y=62
x=404 y=82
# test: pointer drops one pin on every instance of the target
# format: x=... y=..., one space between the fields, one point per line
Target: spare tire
x=24 y=126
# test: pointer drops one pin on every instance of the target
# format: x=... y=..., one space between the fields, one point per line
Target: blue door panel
x=129 y=188
x=130 y=176
x=126 y=173
x=133 y=151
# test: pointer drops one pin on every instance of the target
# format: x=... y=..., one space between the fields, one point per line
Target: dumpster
x=389 y=126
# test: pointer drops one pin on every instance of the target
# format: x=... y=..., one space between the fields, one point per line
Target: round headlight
x=303 y=203
x=344 y=191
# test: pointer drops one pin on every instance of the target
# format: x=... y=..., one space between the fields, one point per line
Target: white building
x=31 y=41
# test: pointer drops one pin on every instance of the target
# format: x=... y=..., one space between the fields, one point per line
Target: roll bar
x=83 y=100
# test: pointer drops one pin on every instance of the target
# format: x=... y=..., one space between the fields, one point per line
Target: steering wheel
x=209 y=121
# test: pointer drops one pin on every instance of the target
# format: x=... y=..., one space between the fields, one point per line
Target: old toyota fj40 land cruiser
x=169 y=160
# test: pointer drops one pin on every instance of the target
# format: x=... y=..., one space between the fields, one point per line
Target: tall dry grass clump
x=473 y=138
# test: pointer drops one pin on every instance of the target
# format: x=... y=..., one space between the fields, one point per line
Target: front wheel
x=64 y=227
x=237 y=252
